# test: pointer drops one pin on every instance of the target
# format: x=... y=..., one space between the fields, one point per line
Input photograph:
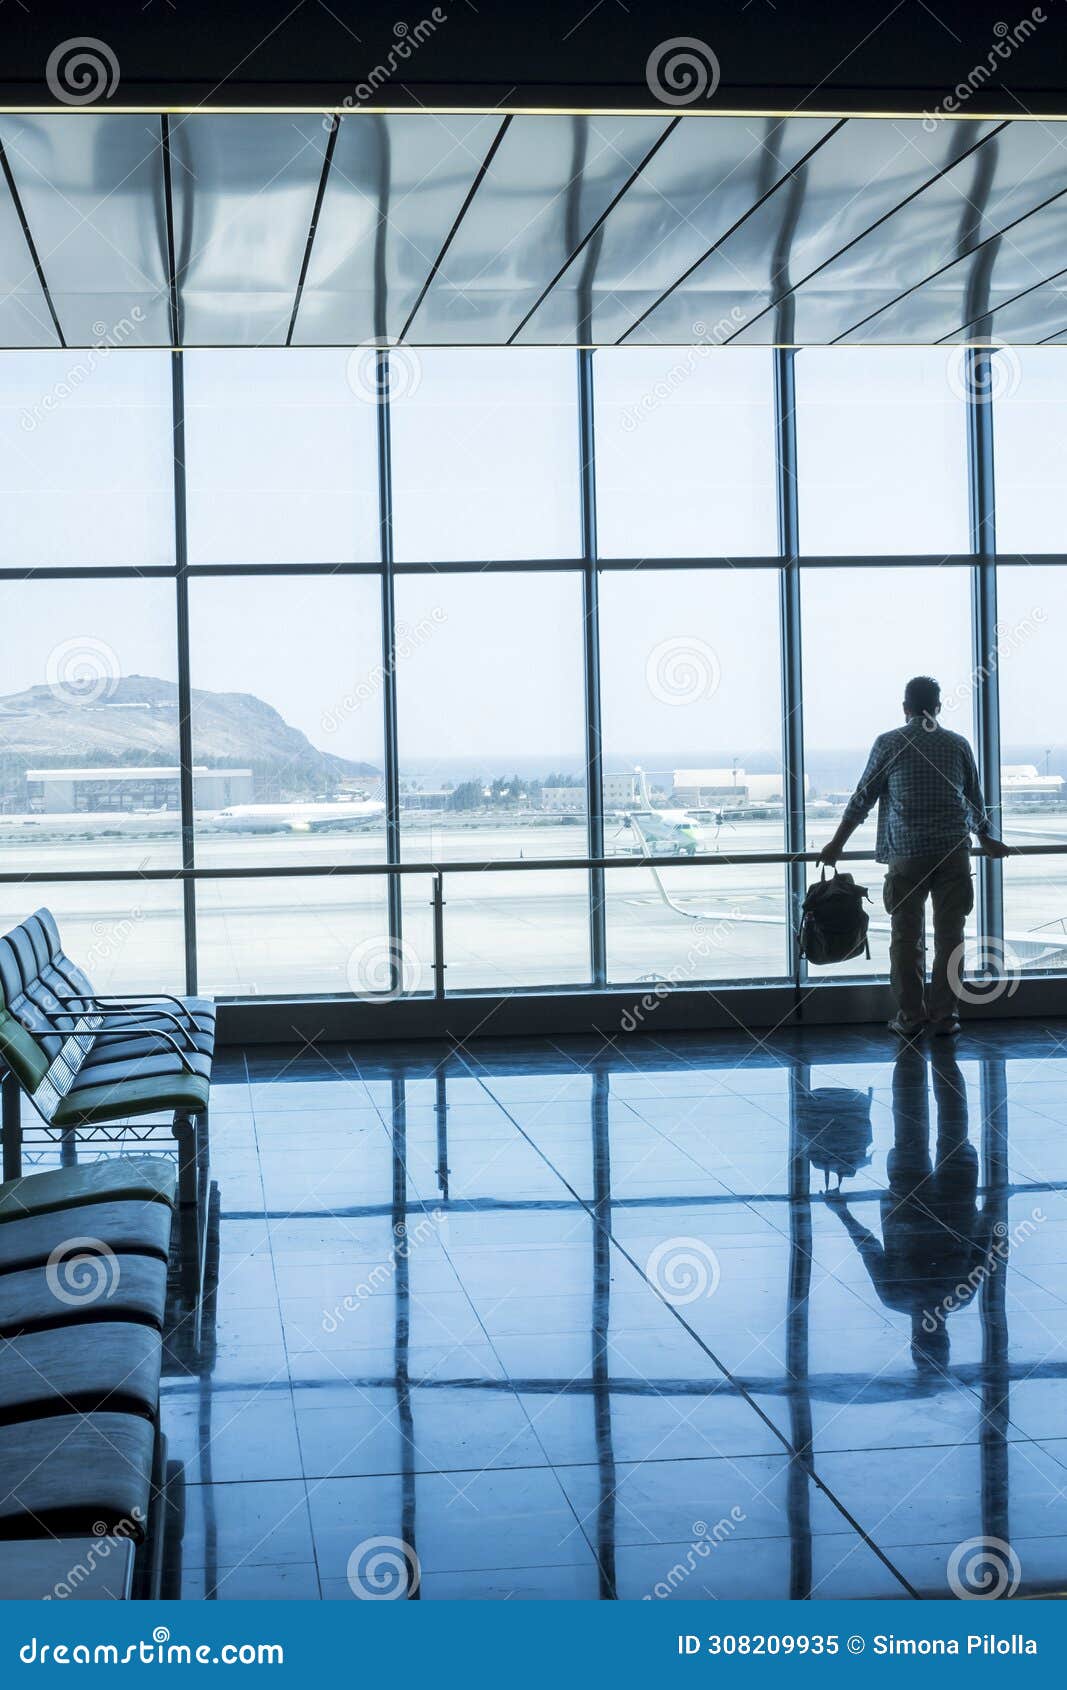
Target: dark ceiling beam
x=31 y=244
x=327 y=160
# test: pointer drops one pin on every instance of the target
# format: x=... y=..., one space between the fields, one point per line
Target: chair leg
x=190 y=1216
x=11 y=1129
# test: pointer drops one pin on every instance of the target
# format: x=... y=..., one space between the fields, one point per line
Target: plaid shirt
x=925 y=783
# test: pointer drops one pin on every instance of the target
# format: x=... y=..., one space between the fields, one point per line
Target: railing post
x=978 y=389
x=792 y=684
x=438 y=934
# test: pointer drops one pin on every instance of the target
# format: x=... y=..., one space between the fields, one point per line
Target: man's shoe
x=948 y=1027
x=904 y=1028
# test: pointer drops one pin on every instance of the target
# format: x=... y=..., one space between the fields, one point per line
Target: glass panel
x=485 y=454
x=127 y=935
x=1030 y=436
x=86 y=459
x=281 y=454
x=692 y=737
x=881 y=451
x=287 y=719
x=853 y=688
x=292 y=937
x=685 y=452
x=88 y=725
x=490 y=702
x=1031 y=621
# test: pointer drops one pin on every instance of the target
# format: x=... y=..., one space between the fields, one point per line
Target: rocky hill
x=136 y=722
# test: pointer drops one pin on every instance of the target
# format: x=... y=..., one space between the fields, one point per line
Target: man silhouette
x=924 y=780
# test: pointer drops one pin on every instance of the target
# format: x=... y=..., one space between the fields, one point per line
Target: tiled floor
x=579 y=1320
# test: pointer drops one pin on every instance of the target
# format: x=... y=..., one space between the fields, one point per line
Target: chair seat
x=71 y=1475
x=140 y=1229
x=86 y=1104
x=83 y=1285
x=103 y=1066
x=111 y=1367
x=145 y=1179
x=142 y=1044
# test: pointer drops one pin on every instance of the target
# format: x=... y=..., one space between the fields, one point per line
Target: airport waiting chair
x=94 y=1066
x=82 y=1454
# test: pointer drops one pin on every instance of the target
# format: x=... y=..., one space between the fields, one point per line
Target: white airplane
x=663 y=832
x=346 y=813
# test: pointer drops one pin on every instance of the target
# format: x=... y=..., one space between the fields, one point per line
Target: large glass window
x=1031 y=625
x=907 y=621
x=490 y=689
x=485 y=454
x=86 y=459
x=287 y=719
x=88 y=725
x=1030 y=442
x=685 y=452
x=881 y=451
x=692 y=731
x=281 y=457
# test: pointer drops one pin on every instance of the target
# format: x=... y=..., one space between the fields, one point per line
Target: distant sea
x=827 y=770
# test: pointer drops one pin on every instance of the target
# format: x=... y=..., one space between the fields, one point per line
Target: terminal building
x=98 y=791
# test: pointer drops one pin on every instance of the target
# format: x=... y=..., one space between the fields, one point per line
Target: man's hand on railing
x=996 y=848
x=830 y=854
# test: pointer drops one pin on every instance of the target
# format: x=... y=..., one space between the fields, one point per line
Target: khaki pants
x=946 y=881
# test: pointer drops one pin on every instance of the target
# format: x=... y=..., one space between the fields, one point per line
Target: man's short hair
x=922 y=696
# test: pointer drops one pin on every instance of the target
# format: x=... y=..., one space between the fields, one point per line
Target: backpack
x=833 y=925
x=834 y=1129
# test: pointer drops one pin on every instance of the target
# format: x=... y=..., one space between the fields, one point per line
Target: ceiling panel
x=557 y=229
x=704 y=177
x=547 y=185
x=91 y=187
x=395 y=188
x=244 y=193
x=859 y=175
x=1008 y=175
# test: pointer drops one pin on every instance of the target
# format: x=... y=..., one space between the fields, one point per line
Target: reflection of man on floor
x=935 y=1249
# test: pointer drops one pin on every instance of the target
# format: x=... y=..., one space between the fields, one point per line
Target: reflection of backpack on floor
x=834 y=1129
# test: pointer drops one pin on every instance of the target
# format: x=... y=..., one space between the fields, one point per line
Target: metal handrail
x=495 y=865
